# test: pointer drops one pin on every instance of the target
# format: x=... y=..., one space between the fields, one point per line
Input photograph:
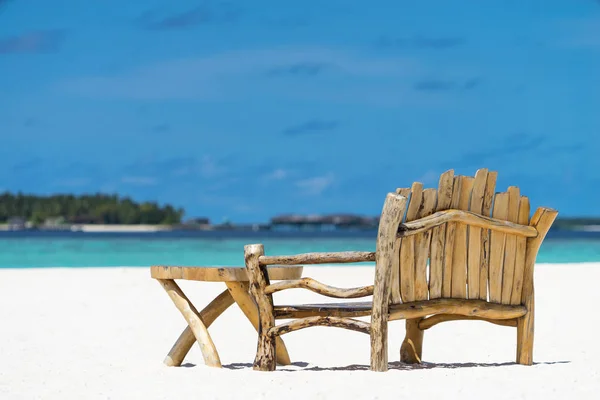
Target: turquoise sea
x=66 y=249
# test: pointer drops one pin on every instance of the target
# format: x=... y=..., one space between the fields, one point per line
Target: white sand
x=103 y=333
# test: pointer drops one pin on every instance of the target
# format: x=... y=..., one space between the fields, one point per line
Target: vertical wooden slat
x=497 y=240
x=510 y=250
x=523 y=219
x=438 y=236
x=395 y=296
x=474 y=252
x=459 y=256
x=407 y=249
x=449 y=245
x=488 y=197
x=422 y=243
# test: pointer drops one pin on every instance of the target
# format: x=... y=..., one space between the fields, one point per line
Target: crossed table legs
x=198 y=322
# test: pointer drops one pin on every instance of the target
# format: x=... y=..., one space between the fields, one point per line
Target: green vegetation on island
x=85 y=209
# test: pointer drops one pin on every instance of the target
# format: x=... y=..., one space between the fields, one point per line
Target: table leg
x=194 y=320
x=186 y=340
x=239 y=292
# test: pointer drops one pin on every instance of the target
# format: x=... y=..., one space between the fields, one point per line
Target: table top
x=221 y=274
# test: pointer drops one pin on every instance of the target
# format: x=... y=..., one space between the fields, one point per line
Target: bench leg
x=525 y=339
x=186 y=340
x=194 y=320
x=411 y=350
x=239 y=292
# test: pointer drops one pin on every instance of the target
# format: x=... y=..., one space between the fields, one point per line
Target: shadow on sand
x=396 y=365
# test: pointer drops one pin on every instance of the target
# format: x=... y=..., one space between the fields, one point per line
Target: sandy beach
x=103 y=333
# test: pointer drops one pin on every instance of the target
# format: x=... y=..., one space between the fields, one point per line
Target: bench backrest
x=455 y=260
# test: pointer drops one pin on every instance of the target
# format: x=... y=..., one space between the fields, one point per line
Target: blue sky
x=246 y=109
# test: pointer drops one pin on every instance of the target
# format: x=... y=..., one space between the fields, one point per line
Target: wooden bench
x=461 y=252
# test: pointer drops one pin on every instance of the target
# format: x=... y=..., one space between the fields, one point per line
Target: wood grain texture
x=422 y=246
x=395 y=295
x=349 y=309
x=265 y=353
x=430 y=322
x=449 y=245
x=186 y=340
x=438 y=236
x=240 y=293
x=478 y=308
x=337 y=322
x=417 y=309
x=320 y=288
x=407 y=248
x=467 y=218
x=391 y=216
x=194 y=320
x=517 y=286
x=497 y=241
x=459 y=255
x=474 y=243
x=542 y=220
x=510 y=249
x=319 y=258
x=221 y=274
x=488 y=198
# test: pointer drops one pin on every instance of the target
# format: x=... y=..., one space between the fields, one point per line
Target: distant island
x=112 y=213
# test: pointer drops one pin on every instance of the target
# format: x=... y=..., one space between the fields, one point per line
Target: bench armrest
x=319 y=258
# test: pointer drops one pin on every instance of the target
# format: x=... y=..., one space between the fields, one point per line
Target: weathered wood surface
x=517 y=286
x=320 y=288
x=490 y=188
x=542 y=220
x=407 y=248
x=449 y=245
x=239 y=292
x=221 y=274
x=259 y=280
x=510 y=248
x=411 y=350
x=391 y=216
x=464 y=217
x=194 y=320
x=459 y=255
x=438 y=236
x=475 y=235
x=395 y=295
x=497 y=249
x=416 y=309
x=337 y=322
x=422 y=246
x=479 y=308
x=318 y=258
x=186 y=340
x=430 y=322
x=349 y=309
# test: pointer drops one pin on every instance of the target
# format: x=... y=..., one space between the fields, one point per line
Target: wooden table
x=236 y=280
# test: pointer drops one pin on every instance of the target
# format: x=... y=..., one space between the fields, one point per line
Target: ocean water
x=66 y=249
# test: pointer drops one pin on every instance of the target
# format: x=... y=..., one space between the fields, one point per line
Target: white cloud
x=315 y=185
x=276 y=175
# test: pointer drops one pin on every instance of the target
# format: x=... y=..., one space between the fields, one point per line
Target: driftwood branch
x=320 y=288
x=337 y=322
x=464 y=217
x=427 y=323
x=477 y=308
x=186 y=340
x=319 y=258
